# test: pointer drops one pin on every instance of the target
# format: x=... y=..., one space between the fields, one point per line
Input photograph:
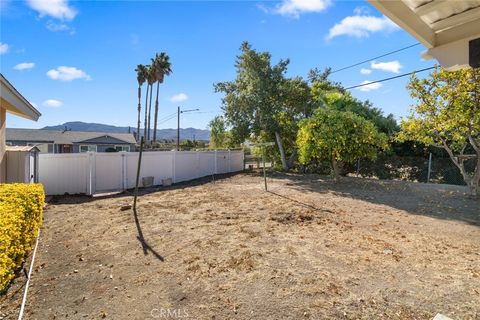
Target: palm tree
x=162 y=67
x=141 y=78
x=151 y=80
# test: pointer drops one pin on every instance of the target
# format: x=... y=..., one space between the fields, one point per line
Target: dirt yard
x=308 y=249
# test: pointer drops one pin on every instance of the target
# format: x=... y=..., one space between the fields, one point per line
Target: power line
x=391 y=78
x=173 y=114
x=167 y=119
x=378 y=57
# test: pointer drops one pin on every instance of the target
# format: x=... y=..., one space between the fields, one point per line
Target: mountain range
x=185 y=133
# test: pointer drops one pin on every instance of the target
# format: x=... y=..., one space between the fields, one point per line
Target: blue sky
x=75 y=60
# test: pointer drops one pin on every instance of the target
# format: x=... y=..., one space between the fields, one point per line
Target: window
x=122 y=148
x=88 y=148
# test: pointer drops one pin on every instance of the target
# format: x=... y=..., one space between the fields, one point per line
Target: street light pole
x=178 y=124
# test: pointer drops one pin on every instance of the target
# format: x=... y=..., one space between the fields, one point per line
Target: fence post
x=173 y=166
x=91 y=175
x=429 y=167
x=229 y=160
x=124 y=172
x=198 y=165
x=215 y=162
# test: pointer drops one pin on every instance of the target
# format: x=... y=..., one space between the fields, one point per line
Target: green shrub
x=21 y=208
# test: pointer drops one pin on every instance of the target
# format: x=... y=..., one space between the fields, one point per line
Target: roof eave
x=15 y=103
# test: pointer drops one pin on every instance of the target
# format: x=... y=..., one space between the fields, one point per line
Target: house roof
x=21 y=148
x=12 y=101
x=60 y=137
x=445 y=27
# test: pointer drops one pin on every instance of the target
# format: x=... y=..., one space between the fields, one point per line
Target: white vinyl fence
x=90 y=173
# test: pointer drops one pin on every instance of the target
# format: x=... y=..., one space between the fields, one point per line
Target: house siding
x=102 y=147
x=102 y=143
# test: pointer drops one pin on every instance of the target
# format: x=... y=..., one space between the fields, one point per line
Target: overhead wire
x=390 y=78
x=377 y=57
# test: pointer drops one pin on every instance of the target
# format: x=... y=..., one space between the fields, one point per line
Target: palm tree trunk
x=156 y=115
x=139 y=111
x=146 y=115
x=149 y=112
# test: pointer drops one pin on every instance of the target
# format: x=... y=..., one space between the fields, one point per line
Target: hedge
x=21 y=208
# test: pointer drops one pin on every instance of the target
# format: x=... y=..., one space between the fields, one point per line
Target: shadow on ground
x=74 y=199
x=449 y=202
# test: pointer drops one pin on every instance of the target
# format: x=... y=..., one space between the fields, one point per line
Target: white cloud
x=391 y=66
x=361 y=26
x=3 y=48
x=369 y=87
x=52 y=103
x=361 y=11
x=365 y=71
x=179 y=97
x=55 y=27
x=294 y=8
x=64 y=73
x=24 y=66
x=58 y=9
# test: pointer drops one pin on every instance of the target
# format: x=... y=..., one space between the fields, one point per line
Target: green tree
x=141 y=78
x=346 y=102
x=161 y=68
x=447 y=115
x=254 y=100
x=218 y=132
x=337 y=136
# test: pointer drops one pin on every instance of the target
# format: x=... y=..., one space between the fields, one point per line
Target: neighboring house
x=53 y=141
x=13 y=102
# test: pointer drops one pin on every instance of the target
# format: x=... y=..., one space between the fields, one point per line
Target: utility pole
x=178 y=124
x=178 y=128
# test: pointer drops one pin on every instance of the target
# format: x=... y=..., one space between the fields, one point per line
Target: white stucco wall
x=3 y=158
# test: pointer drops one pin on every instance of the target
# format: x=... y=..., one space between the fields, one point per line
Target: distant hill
x=185 y=133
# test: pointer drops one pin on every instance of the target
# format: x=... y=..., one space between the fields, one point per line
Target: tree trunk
x=156 y=116
x=336 y=169
x=149 y=112
x=293 y=158
x=139 y=112
x=282 y=152
x=474 y=188
x=146 y=115
x=471 y=181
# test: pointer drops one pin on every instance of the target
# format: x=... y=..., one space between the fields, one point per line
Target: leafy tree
x=218 y=132
x=337 y=136
x=346 y=102
x=447 y=115
x=296 y=105
x=141 y=78
x=255 y=98
x=161 y=68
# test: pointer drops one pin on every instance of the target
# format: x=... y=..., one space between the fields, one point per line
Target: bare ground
x=309 y=249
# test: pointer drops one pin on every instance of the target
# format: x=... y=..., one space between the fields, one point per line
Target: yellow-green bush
x=21 y=208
